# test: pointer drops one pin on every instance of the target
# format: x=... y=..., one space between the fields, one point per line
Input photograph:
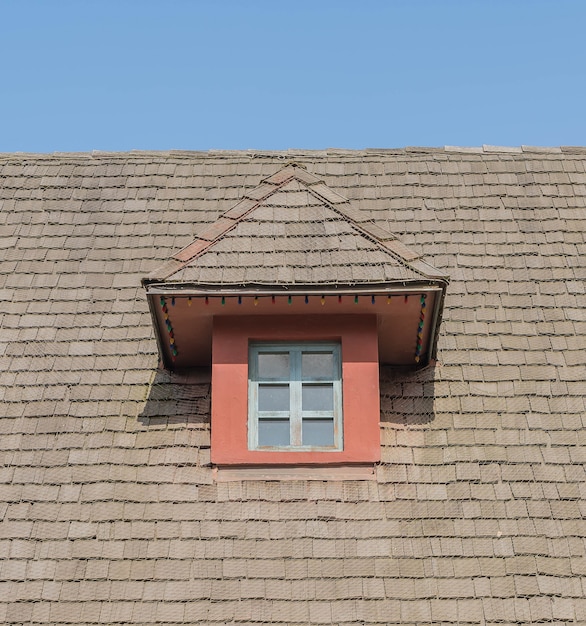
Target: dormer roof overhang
x=292 y=239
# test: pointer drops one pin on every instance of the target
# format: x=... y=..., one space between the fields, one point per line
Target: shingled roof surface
x=108 y=505
x=293 y=229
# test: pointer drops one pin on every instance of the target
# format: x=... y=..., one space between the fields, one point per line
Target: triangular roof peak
x=292 y=170
x=292 y=229
x=293 y=235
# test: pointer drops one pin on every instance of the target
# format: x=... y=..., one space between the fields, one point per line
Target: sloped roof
x=108 y=507
x=292 y=229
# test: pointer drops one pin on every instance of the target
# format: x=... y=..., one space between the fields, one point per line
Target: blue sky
x=255 y=74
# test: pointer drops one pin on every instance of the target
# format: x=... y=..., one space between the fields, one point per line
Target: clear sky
x=84 y=75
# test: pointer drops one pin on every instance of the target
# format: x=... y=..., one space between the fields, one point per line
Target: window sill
x=271 y=472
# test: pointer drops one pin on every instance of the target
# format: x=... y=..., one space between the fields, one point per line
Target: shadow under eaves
x=178 y=397
x=407 y=395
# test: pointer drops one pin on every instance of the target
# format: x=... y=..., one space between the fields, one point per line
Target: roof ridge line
x=291 y=153
x=398 y=250
x=217 y=229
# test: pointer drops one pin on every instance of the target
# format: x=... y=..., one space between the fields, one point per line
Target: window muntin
x=295 y=397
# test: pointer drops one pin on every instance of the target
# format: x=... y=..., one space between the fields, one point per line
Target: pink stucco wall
x=360 y=385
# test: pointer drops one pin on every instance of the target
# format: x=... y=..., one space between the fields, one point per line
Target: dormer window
x=294 y=297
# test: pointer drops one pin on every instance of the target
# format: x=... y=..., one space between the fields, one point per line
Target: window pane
x=273 y=397
x=318 y=432
x=273 y=432
x=273 y=365
x=317 y=365
x=317 y=397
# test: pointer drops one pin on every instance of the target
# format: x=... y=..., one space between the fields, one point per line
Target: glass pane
x=273 y=432
x=317 y=365
x=273 y=397
x=318 y=432
x=317 y=397
x=273 y=365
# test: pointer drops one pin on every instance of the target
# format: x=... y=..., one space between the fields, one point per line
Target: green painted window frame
x=295 y=382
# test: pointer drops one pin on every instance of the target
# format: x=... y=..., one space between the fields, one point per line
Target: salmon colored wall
x=360 y=388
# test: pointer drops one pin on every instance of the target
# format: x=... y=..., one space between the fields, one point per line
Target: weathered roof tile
x=295 y=219
x=109 y=507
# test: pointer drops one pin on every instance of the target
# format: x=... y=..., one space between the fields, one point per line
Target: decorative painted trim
x=419 y=342
x=169 y=326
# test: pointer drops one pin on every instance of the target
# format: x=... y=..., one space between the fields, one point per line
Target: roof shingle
x=108 y=506
x=294 y=215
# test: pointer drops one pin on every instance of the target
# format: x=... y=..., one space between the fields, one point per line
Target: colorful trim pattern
x=419 y=343
x=172 y=344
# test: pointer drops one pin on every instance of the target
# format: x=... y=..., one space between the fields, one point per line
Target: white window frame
x=295 y=414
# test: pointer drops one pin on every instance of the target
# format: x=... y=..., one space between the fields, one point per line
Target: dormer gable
x=294 y=246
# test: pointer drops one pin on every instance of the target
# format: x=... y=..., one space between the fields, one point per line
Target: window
x=295 y=397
